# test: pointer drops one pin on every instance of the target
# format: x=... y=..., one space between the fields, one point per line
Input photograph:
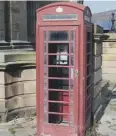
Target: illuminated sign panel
x=60 y=17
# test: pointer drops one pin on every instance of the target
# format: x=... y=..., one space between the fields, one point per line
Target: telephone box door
x=58 y=60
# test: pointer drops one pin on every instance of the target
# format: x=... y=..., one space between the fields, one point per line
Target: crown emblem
x=59 y=9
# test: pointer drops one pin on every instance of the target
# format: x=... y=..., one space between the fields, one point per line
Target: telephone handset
x=62 y=55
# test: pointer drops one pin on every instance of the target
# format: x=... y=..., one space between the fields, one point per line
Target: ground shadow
x=107 y=94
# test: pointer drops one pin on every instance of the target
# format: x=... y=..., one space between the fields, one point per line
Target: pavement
x=19 y=127
x=27 y=126
x=107 y=125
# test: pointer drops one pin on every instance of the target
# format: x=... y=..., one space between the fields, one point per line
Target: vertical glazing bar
x=71 y=69
x=47 y=72
x=69 y=79
x=45 y=46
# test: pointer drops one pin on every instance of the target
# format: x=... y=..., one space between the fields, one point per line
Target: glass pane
x=58 y=48
x=45 y=47
x=45 y=94
x=88 y=81
x=60 y=17
x=58 y=72
x=72 y=73
x=45 y=71
x=89 y=91
x=72 y=35
x=89 y=36
x=89 y=59
x=45 y=85
x=72 y=48
x=59 y=96
x=44 y=36
x=45 y=106
x=46 y=117
x=72 y=60
x=58 y=36
x=71 y=97
x=88 y=70
x=58 y=84
x=45 y=80
x=45 y=59
x=89 y=48
x=58 y=59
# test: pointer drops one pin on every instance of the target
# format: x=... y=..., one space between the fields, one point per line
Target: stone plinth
x=17 y=85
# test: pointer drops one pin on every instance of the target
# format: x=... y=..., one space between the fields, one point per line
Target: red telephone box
x=64 y=69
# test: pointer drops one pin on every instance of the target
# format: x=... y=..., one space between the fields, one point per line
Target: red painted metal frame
x=80 y=62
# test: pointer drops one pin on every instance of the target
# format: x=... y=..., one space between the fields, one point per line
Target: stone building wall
x=97 y=71
x=109 y=58
x=17 y=83
x=2 y=32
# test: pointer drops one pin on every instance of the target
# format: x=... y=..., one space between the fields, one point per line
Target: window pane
x=71 y=35
x=58 y=36
x=45 y=71
x=72 y=60
x=45 y=47
x=71 y=84
x=60 y=17
x=58 y=84
x=58 y=72
x=45 y=59
x=72 y=48
x=44 y=36
x=88 y=36
x=89 y=48
x=88 y=58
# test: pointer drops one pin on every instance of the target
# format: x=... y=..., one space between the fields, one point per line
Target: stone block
x=14 y=89
x=2 y=91
x=96 y=102
x=109 y=45
x=21 y=101
x=97 y=89
x=20 y=56
x=29 y=87
x=108 y=57
x=22 y=112
x=15 y=102
x=2 y=77
x=97 y=76
x=2 y=105
x=112 y=37
x=13 y=76
x=97 y=62
x=29 y=100
x=109 y=77
x=106 y=70
x=97 y=48
x=28 y=74
x=109 y=51
x=108 y=64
